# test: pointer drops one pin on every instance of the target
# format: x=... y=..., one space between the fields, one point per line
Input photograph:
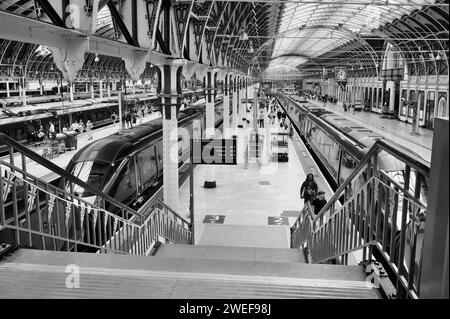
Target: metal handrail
x=412 y=160
x=4 y=139
x=381 y=215
x=78 y=225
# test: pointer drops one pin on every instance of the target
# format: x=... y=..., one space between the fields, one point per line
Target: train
x=128 y=166
x=338 y=145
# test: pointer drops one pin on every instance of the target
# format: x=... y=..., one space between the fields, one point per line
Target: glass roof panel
x=311 y=29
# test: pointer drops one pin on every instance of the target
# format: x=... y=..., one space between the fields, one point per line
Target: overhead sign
x=214 y=151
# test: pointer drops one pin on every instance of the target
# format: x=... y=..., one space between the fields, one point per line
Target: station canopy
x=288 y=37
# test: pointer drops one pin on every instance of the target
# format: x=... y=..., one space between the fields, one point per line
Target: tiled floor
x=246 y=196
x=393 y=129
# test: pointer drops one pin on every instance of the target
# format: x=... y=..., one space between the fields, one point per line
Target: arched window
x=442 y=107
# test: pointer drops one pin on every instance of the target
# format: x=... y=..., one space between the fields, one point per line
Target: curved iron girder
x=352 y=34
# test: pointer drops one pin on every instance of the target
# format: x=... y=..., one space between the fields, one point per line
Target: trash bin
x=71 y=140
x=61 y=138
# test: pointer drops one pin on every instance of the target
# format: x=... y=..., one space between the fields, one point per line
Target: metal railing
x=34 y=213
x=382 y=217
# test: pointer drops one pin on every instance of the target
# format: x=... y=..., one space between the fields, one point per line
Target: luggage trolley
x=279 y=146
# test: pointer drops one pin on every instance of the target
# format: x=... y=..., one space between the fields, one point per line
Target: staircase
x=376 y=217
x=181 y=271
x=36 y=214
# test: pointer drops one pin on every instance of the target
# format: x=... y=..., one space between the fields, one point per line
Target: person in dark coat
x=319 y=202
x=308 y=190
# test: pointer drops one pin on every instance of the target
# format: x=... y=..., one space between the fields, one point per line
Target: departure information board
x=214 y=151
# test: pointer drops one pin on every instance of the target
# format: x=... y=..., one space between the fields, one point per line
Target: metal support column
x=210 y=181
x=100 y=83
x=242 y=111
x=234 y=106
x=226 y=106
x=92 y=88
x=170 y=101
x=71 y=88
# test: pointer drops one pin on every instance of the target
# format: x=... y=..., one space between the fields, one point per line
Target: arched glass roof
x=312 y=29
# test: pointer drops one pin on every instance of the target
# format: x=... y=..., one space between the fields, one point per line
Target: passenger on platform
x=279 y=114
x=74 y=126
x=81 y=126
x=113 y=118
x=134 y=117
x=128 y=119
x=89 y=128
x=41 y=134
x=319 y=202
x=272 y=117
x=51 y=131
x=261 y=119
x=65 y=129
x=308 y=190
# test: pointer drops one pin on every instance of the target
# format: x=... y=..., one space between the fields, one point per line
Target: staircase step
x=281 y=255
x=263 y=236
x=38 y=274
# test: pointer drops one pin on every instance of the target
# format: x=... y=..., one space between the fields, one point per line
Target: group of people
x=310 y=193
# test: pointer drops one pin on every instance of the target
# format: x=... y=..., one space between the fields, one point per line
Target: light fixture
x=251 y=50
x=361 y=67
x=438 y=56
x=96 y=58
x=243 y=36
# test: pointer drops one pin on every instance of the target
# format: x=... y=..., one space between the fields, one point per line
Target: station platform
x=393 y=129
x=253 y=205
x=82 y=140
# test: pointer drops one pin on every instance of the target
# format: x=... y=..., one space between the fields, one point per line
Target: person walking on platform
x=51 y=131
x=89 y=128
x=319 y=202
x=261 y=119
x=128 y=119
x=308 y=190
x=81 y=126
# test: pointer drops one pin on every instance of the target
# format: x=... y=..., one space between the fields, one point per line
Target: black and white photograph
x=223 y=156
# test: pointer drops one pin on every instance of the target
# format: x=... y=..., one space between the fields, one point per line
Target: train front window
x=90 y=172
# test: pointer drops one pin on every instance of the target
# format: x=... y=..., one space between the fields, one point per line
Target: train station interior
x=224 y=149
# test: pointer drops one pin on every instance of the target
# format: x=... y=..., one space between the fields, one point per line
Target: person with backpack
x=308 y=190
x=319 y=202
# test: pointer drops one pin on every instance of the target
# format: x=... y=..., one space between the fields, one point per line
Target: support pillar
x=101 y=88
x=242 y=111
x=210 y=181
x=92 y=89
x=8 y=94
x=71 y=86
x=41 y=89
x=87 y=87
x=234 y=106
x=226 y=106
x=170 y=91
x=24 y=92
x=109 y=89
